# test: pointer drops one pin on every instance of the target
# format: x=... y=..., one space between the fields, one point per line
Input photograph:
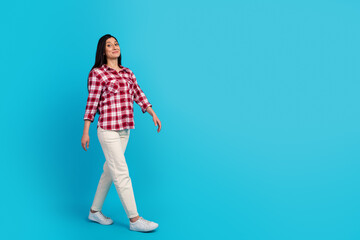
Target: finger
x=87 y=144
x=83 y=146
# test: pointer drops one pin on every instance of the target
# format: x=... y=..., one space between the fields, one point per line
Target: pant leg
x=111 y=143
x=102 y=189
x=106 y=181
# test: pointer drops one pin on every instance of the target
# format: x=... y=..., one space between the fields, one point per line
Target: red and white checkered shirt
x=114 y=93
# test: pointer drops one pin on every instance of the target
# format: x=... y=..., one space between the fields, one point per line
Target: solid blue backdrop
x=259 y=102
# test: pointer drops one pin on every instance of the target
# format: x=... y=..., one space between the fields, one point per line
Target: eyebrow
x=110 y=42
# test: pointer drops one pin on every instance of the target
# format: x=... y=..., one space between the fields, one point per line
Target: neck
x=113 y=63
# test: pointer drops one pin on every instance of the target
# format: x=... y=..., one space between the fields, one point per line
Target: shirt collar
x=107 y=68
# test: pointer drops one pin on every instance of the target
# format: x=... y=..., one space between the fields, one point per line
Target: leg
x=102 y=189
x=105 y=182
x=112 y=143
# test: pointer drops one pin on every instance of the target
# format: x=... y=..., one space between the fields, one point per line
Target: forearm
x=150 y=111
x=86 y=127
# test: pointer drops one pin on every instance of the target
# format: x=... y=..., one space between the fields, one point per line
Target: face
x=112 y=48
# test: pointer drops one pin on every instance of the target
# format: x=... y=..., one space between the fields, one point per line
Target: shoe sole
x=93 y=220
x=144 y=230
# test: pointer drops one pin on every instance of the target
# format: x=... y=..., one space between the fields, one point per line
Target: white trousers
x=116 y=170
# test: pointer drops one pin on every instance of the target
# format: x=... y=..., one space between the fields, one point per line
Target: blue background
x=259 y=102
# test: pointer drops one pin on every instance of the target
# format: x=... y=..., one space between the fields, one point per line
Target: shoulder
x=129 y=73
x=97 y=71
x=128 y=70
x=96 y=76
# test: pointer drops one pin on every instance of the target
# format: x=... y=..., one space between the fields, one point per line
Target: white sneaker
x=142 y=225
x=100 y=218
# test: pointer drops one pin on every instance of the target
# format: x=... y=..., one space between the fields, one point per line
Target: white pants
x=115 y=169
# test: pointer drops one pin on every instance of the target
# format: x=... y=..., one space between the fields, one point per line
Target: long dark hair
x=100 y=58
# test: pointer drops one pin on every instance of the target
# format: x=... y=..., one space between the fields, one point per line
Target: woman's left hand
x=157 y=123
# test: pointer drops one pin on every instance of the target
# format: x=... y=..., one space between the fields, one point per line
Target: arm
x=95 y=87
x=86 y=127
x=143 y=102
x=139 y=96
x=85 y=140
x=155 y=118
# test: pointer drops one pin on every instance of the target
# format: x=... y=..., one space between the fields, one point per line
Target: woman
x=112 y=91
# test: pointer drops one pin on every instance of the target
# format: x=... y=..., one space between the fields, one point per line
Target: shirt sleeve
x=139 y=96
x=95 y=88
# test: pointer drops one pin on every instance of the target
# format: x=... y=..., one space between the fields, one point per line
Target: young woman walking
x=113 y=89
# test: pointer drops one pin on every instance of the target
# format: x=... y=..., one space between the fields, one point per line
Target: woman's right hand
x=85 y=141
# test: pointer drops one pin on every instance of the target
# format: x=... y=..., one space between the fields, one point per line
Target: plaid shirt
x=114 y=93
